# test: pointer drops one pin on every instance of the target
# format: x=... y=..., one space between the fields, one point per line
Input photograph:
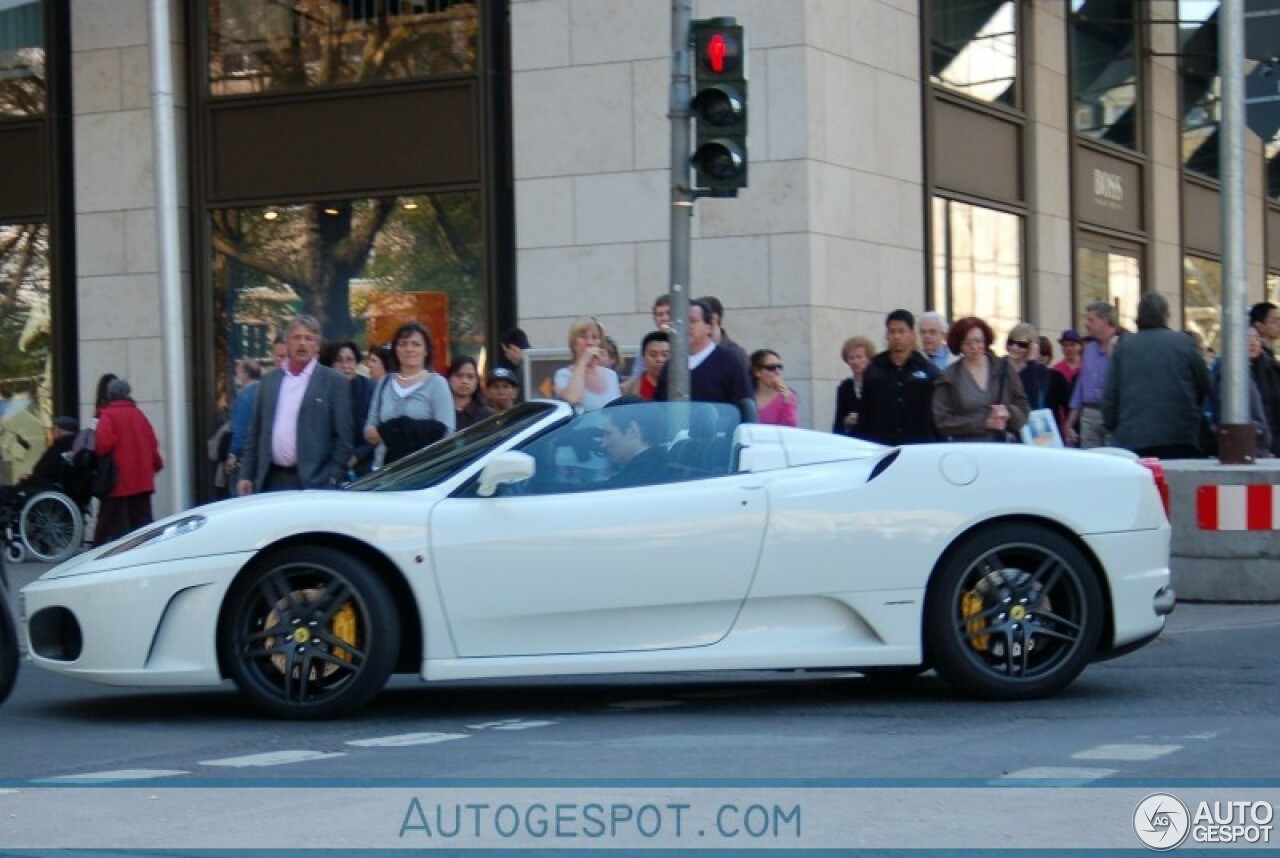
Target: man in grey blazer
x=300 y=433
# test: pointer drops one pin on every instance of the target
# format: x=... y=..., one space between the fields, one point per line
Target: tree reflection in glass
x=270 y=46
x=362 y=267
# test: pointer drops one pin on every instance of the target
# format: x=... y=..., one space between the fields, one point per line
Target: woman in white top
x=406 y=402
x=587 y=382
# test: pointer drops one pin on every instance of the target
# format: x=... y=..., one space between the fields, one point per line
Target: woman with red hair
x=979 y=397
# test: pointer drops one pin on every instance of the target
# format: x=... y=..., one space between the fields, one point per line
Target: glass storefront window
x=268 y=46
x=1202 y=298
x=1111 y=276
x=1201 y=86
x=1273 y=287
x=977 y=264
x=362 y=267
x=1104 y=36
x=974 y=48
x=22 y=78
x=26 y=369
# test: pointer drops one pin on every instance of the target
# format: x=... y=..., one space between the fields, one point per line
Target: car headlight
x=159 y=533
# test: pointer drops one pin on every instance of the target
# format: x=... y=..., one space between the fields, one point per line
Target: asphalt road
x=822 y=759
x=1198 y=702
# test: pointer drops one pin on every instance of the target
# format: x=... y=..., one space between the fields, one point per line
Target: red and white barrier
x=1251 y=507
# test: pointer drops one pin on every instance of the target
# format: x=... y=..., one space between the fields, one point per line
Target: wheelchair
x=41 y=523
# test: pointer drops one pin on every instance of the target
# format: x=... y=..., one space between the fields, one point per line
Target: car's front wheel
x=1015 y=613
x=309 y=632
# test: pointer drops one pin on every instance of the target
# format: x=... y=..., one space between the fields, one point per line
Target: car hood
x=246 y=525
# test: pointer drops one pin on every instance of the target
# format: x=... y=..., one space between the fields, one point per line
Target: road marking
x=524 y=725
x=1206 y=734
x=405 y=739
x=273 y=758
x=645 y=704
x=510 y=724
x=119 y=775
x=1055 y=773
x=1132 y=753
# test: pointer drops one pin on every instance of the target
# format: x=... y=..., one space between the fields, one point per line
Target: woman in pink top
x=774 y=400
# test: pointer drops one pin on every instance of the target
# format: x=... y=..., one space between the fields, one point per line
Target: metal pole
x=1236 y=433
x=681 y=200
x=168 y=260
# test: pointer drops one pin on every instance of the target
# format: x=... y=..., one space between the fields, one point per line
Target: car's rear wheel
x=8 y=645
x=1015 y=613
x=310 y=632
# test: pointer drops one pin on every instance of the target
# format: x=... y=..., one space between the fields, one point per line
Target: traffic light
x=720 y=106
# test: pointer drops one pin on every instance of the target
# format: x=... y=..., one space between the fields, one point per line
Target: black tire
x=1015 y=613
x=8 y=645
x=309 y=632
x=51 y=527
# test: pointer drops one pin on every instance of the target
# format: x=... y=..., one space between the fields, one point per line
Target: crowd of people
x=317 y=421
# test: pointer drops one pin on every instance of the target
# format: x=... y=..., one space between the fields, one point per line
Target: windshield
x=441 y=460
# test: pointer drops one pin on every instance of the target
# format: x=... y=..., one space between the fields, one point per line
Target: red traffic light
x=721 y=53
x=716 y=50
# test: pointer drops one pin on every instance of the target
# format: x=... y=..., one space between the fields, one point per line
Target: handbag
x=105 y=476
x=1001 y=437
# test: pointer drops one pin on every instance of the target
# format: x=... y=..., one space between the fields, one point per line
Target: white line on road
x=119 y=775
x=1125 y=752
x=405 y=739
x=1055 y=773
x=273 y=758
x=509 y=724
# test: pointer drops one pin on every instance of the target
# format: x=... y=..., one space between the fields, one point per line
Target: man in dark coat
x=715 y=375
x=897 y=390
x=1265 y=319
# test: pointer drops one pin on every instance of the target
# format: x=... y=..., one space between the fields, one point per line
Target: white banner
x=299 y=814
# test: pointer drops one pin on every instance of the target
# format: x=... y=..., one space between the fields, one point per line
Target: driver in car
x=632 y=439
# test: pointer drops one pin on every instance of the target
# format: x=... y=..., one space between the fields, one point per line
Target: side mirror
x=504 y=469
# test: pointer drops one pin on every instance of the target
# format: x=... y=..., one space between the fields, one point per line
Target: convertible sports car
x=641 y=538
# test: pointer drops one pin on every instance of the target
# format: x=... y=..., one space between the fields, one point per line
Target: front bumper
x=154 y=624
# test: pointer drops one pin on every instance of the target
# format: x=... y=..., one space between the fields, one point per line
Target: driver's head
x=631 y=426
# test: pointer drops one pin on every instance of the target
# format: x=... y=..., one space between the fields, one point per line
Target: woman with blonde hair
x=857 y=353
x=587 y=383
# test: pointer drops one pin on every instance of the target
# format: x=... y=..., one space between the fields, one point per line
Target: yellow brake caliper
x=344 y=629
x=970 y=608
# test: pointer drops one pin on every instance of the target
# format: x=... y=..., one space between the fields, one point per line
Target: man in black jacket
x=897 y=391
x=1265 y=319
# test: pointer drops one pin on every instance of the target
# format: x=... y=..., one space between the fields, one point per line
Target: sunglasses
x=772 y=367
x=1022 y=344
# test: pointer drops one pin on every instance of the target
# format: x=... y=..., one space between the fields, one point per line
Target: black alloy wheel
x=309 y=632
x=1015 y=613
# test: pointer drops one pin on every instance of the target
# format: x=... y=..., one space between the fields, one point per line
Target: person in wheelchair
x=43 y=514
x=54 y=470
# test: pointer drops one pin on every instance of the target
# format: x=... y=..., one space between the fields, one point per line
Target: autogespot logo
x=1161 y=821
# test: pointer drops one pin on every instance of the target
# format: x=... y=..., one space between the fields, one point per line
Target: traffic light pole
x=682 y=197
x=1236 y=434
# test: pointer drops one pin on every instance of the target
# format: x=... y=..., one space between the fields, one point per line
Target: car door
x=598 y=568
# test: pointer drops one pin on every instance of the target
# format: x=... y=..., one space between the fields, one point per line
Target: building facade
x=489 y=163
